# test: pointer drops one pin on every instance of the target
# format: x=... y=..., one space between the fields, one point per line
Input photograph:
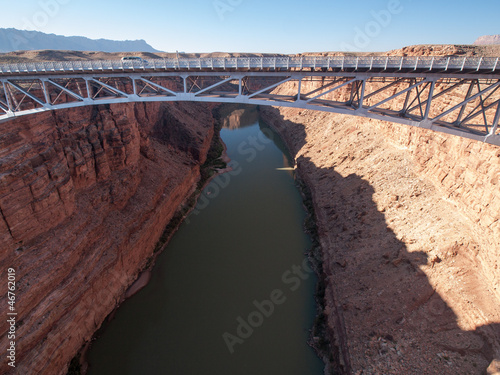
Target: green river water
x=231 y=293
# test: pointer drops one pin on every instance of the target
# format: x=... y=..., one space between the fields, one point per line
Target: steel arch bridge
x=455 y=95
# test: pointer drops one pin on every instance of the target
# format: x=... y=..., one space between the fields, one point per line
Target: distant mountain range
x=22 y=40
x=487 y=40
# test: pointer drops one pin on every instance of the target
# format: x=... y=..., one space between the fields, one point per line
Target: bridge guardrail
x=33 y=87
x=365 y=63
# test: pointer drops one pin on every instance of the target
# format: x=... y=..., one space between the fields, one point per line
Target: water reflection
x=236 y=116
x=231 y=294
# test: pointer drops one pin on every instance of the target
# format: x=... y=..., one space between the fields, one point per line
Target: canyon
x=410 y=270
x=408 y=230
x=406 y=223
x=85 y=197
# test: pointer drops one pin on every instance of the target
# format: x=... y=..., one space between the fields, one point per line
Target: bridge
x=455 y=95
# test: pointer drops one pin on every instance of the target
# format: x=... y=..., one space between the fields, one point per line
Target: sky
x=267 y=26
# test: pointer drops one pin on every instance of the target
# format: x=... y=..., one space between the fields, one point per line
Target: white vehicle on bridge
x=132 y=60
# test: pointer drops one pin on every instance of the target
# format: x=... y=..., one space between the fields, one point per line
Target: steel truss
x=464 y=104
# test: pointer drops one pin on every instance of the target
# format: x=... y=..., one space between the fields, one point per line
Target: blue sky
x=261 y=26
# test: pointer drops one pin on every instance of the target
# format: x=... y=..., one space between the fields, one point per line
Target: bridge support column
x=362 y=95
x=429 y=100
x=299 y=90
x=134 y=86
x=7 y=98
x=496 y=120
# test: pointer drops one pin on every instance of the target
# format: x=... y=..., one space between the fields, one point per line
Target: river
x=231 y=293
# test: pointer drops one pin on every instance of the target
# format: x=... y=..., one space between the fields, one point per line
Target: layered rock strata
x=408 y=223
x=84 y=196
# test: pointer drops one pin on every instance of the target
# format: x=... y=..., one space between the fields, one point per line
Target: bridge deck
x=452 y=64
x=398 y=89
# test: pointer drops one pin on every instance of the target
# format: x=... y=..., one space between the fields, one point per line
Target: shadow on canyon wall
x=379 y=308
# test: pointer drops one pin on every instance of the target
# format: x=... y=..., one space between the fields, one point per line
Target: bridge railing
x=364 y=63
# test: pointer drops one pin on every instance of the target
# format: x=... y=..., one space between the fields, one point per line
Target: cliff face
x=409 y=227
x=487 y=40
x=84 y=196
